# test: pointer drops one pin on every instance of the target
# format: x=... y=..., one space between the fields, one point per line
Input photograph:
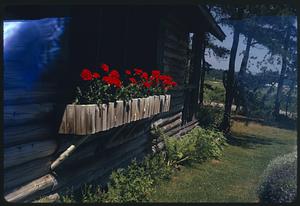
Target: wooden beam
x=32 y=190
x=20 y=174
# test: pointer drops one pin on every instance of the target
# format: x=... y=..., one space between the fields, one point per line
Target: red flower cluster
x=104 y=67
x=156 y=83
x=112 y=81
x=87 y=75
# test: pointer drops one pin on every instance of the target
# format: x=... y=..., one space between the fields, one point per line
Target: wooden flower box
x=93 y=118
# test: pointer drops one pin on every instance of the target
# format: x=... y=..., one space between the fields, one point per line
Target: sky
x=259 y=52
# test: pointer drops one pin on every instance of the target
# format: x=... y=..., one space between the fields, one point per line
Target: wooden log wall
x=30 y=94
x=173 y=55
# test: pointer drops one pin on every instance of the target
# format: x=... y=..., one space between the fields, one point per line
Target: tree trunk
x=288 y=98
x=225 y=126
x=282 y=73
x=202 y=75
x=242 y=97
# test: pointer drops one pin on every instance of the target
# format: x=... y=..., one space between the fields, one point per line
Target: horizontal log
x=175 y=37
x=95 y=168
x=173 y=132
x=171 y=65
x=174 y=56
x=175 y=44
x=172 y=125
x=164 y=121
x=31 y=190
x=89 y=150
x=172 y=60
x=177 y=101
x=177 y=94
x=172 y=48
x=186 y=129
x=20 y=174
x=48 y=199
x=176 y=108
x=26 y=133
x=26 y=152
x=29 y=96
x=25 y=114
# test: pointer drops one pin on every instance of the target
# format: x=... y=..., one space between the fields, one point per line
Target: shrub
x=199 y=145
x=91 y=193
x=156 y=167
x=129 y=185
x=279 y=180
x=210 y=116
x=210 y=143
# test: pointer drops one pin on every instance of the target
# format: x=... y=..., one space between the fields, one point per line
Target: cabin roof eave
x=214 y=28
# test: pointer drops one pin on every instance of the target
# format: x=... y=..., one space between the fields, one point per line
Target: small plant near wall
x=105 y=85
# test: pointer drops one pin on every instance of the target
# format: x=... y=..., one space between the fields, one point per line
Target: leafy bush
x=210 y=143
x=156 y=167
x=279 y=180
x=210 y=116
x=198 y=145
x=91 y=193
x=129 y=185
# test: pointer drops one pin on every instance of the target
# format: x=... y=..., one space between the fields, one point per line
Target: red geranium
x=165 y=78
x=112 y=81
x=128 y=72
x=147 y=84
x=155 y=73
x=105 y=67
x=132 y=80
x=138 y=71
x=145 y=76
x=114 y=74
x=86 y=75
x=96 y=75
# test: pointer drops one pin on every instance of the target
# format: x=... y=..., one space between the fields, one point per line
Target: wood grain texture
x=31 y=190
x=24 y=114
x=27 y=133
x=119 y=109
x=23 y=173
x=134 y=110
x=90 y=119
x=27 y=152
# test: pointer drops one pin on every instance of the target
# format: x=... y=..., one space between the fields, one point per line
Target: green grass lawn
x=235 y=177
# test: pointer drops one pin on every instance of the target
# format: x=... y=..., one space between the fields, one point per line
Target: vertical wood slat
x=98 y=118
x=110 y=115
x=134 y=110
x=146 y=107
x=161 y=103
x=89 y=119
x=119 y=113
x=141 y=107
x=156 y=104
x=104 y=116
x=127 y=111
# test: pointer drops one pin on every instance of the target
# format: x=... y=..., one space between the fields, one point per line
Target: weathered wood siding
x=32 y=58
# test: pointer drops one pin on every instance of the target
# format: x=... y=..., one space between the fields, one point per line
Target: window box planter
x=93 y=118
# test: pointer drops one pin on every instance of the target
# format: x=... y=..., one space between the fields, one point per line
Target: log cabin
x=46 y=47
